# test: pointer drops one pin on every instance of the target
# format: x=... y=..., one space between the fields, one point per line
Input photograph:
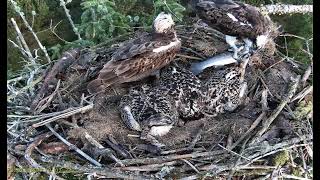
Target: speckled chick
x=155 y=110
x=223 y=91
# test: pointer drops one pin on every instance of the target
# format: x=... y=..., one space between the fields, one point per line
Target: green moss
x=296 y=171
x=280 y=158
x=303 y=109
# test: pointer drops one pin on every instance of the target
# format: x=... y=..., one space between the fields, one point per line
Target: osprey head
x=163 y=23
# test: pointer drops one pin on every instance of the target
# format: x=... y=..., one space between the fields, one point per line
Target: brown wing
x=138 y=62
x=250 y=22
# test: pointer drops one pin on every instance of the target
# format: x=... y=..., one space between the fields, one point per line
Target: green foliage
x=303 y=27
x=100 y=21
x=104 y=19
x=170 y=6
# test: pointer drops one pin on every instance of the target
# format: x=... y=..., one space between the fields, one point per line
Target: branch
x=62 y=64
x=17 y=9
x=25 y=49
x=75 y=30
x=286 y=9
x=276 y=112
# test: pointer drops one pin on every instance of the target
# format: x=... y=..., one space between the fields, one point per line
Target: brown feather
x=215 y=14
x=136 y=60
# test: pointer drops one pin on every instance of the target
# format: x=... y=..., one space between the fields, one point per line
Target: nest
x=227 y=145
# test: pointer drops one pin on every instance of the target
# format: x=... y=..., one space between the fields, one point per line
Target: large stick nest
x=251 y=138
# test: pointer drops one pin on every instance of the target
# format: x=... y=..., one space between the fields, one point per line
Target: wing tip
x=95 y=86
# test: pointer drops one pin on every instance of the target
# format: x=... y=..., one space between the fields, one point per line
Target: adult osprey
x=140 y=57
x=235 y=19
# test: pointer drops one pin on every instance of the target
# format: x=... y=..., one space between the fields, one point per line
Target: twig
x=100 y=146
x=275 y=113
x=233 y=152
x=286 y=9
x=73 y=146
x=189 y=57
x=151 y=167
x=306 y=75
x=252 y=127
x=31 y=161
x=75 y=30
x=115 y=146
x=45 y=102
x=23 y=42
x=302 y=94
x=197 y=137
x=63 y=63
x=17 y=9
x=161 y=159
x=108 y=173
x=287 y=176
x=191 y=165
x=65 y=115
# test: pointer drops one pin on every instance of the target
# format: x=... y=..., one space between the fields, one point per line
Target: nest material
x=206 y=136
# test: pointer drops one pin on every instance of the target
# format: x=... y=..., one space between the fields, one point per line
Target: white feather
x=160 y=130
x=261 y=40
x=232 y=17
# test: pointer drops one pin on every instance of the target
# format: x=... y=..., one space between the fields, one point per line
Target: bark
x=286 y=9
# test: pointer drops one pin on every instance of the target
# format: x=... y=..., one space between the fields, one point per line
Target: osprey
x=140 y=57
x=235 y=19
x=153 y=111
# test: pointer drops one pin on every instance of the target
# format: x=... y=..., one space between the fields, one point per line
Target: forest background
x=97 y=21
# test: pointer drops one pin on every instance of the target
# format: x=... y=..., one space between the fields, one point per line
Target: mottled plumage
x=140 y=57
x=236 y=19
x=155 y=110
x=223 y=91
x=179 y=93
x=233 y=18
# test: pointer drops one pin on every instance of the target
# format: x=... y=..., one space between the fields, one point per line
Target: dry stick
x=286 y=9
x=146 y=168
x=75 y=30
x=109 y=173
x=63 y=63
x=115 y=146
x=197 y=137
x=24 y=52
x=191 y=165
x=216 y=168
x=45 y=102
x=188 y=57
x=31 y=161
x=252 y=127
x=73 y=147
x=100 y=146
x=302 y=94
x=264 y=104
x=65 y=115
x=283 y=103
x=23 y=42
x=306 y=75
x=161 y=159
x=17 y=9
x=292 y=143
